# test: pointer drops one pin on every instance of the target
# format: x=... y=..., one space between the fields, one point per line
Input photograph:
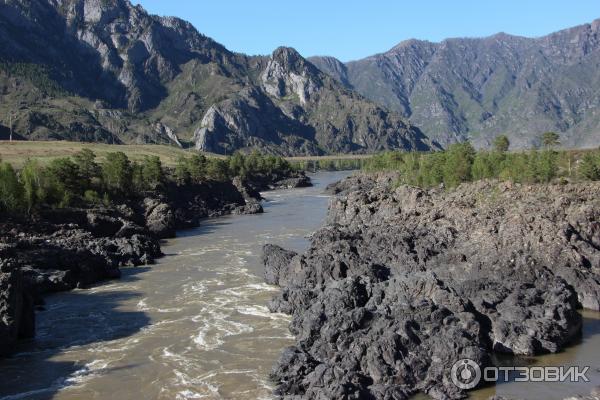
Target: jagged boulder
x=160 y=218
x=402 y=282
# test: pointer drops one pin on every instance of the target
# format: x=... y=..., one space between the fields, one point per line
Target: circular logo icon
x=465 y=374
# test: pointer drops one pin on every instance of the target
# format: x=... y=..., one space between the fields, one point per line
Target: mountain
x=107 y=71
x=475 y=89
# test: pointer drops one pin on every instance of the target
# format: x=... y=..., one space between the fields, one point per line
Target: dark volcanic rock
x=160 y=218
x=16 y=308
x=294 y=182
x=288 y=180
x=275 y=259
x=403 y=282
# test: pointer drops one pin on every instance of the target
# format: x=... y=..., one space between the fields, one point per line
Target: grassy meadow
x=17 y=152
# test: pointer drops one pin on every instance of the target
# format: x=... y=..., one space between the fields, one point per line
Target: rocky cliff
x=474 y=89
x=402 y=282
x=95 y=70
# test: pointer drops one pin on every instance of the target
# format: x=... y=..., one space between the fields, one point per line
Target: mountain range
x=107 y=71
x=475 y=89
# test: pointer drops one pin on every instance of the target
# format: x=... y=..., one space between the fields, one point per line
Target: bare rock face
x=288 y=74
x=403 y=282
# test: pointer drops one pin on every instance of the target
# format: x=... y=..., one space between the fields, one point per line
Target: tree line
x=462 y=163
x=339 y=164
x=82 y=180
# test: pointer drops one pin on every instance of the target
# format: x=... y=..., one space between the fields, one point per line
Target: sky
x=353 y=29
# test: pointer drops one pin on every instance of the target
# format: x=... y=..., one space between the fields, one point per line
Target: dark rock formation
x=290 y=180
x=160 y=218
x=16 y=308
x=403 y=282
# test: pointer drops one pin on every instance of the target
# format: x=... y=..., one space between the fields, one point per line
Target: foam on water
x=261 y=311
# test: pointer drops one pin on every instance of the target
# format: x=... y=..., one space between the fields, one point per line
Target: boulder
x=160 y=219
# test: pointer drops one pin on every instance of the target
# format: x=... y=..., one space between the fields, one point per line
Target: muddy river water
x=195 y=325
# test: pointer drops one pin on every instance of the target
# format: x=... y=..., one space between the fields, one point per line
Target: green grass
x=17 y=152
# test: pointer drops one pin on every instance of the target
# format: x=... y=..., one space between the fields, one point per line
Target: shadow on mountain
x=70 y=319
x=5 y=134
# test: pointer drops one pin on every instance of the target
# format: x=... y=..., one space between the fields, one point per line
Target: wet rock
x=293 y=183
x=402 y=282
x=251 y=198
x=275 y=181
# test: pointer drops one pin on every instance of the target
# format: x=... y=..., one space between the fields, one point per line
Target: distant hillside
x=107 y=71
x=475 y=89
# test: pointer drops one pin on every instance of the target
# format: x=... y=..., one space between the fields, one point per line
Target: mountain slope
x=475 y=89
x=105 y=70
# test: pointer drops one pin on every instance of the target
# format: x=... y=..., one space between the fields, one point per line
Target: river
x=195 y=325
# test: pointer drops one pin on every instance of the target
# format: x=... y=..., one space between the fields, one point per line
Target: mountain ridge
x=107 y=71
x=477 y=88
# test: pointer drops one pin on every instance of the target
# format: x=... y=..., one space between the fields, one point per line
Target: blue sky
x=353 y=29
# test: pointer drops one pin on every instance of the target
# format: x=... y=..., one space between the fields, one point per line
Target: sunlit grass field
x=17 y=152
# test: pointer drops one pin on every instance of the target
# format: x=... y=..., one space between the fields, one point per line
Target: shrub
x=589 y=167
x=11 y=190
x=117 y=174
x=457 y=168
x=152 y=172
x=86 y=162
x=31 y=177
x=550 y=139
x=501 y=143
x=181 y=173
x=92 y=197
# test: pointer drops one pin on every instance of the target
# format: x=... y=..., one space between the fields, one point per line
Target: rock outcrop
x=16 y=308
x=402 y=282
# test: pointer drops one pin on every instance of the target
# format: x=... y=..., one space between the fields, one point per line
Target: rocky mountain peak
x=289 y=58
x=100 y=11
x=289 y=74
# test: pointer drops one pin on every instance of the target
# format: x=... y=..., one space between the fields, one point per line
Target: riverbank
x=193 y=325
x=402 y=282
x=62 y=249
